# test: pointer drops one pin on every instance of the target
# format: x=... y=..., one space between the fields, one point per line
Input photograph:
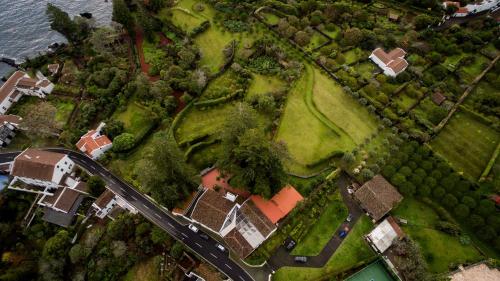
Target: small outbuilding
x=383 y=236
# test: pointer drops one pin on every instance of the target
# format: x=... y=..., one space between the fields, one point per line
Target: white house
x=108 y=204
x=384 y=235
x=20 y=84
x=472 y=8
x=93 y=143
x=392 y=63
x=40 y=168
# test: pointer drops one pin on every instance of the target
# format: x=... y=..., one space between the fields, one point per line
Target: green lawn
x=353 y=55
x=333 y=33
x=467 y=143
x=470 y=72
x=351 y=252
x=137 y=119
x=365 y=69
x=438 y=248
x=316 y=40
x=64 y=109
x=183 y=18
x=146 y=270
x=306 y=137
x=262 y=84
x=404 y=101
x=211 y=43
x=323 y=230
x=270 y=18
x=353 y=118
x=451 y=62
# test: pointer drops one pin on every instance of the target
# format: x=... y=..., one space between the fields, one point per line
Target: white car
x=193 y=228
x=220 y=247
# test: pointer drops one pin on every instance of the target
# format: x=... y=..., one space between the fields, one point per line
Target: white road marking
x=171 y=225
x=93 y=167
x=145 y=206
x=198 y=245
x=213 y=255
x=158 y=216
x=241 y=278
x=133 y=197
x=183 y=234
x=228 y=266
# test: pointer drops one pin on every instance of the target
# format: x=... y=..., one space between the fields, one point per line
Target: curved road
x=157 y=215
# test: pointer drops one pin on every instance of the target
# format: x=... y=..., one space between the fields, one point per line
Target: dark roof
x=438 y=98
x=377 y=196
x=67 y=199
x=50 y=200
x=60 y=218
x=103 y=199
x=211 y=209
x=238 y=243
x=10 y=85
x=257 y=218
x=36 y=164
x=13 y=119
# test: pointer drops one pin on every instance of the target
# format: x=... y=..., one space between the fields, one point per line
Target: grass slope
x=136 y=118
x=262 y=84
x=467 y=143
x=351 y=252
x=438 y=248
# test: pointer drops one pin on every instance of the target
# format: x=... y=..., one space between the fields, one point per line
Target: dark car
x=342 y=234
x=300 y=259
x=204 y=236
x=289 y=244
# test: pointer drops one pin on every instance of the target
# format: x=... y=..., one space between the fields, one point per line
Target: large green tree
x=249 y=157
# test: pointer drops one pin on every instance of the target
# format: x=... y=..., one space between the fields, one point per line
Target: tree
x=113 y=128
x=123 y=142
x=348 y=159
x=398 y=179
x=40 y=120
x=122 y=14
x=102 y=40
x=486 y=207
x=156 y=5
x=302 y=38
x=164 y=173
x=422 y=21
x=353 y=36
x=76 y=254
x=461 y=211
x=252 y=160
x=367 y=174
x=62 y=23
x=469 y=201
x=449 y=201
x=57 y=245
x=177 y=250
x=96 y=186
x=159 y=236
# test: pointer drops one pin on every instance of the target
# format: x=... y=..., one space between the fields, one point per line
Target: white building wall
x=100 y=151
x=64 y=166
x=5 y=105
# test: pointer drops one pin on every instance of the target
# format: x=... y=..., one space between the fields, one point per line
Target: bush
x=123 y=142
x=448 y=227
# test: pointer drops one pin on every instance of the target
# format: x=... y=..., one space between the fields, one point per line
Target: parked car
x=300 y=259
x=193 y=228
x=220 y=247
x=289 y=244
x=349 y=218
x=204 y=236
x=342 y=234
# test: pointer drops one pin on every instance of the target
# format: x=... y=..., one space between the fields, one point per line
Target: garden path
x=282 y=257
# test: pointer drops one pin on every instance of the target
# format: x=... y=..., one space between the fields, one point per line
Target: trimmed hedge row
x=218 y=100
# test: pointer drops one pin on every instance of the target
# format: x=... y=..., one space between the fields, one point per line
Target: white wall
x=64 y=166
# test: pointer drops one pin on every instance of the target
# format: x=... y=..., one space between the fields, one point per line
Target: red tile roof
x=213 y=178
x=10 y=84
x=462 y=10
x=90 y=143
x=280 y=205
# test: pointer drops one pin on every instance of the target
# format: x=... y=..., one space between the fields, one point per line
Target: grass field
x=404 y=101
x=147 y=270
x=211 y=43
x=137 y=119
x=451 y=62
x=316 y=40
x=262 y=84
x=306 y=137
x=323 y=230
x=353 y=55
x=64 y=109
x=184 y=19
x=365 y=69
x=470 y=72
x=222 y=86
x=438 y=248
x=353 y=118
x=334 y=34
x=270 y=18
x=352 y=251
x=467 y=143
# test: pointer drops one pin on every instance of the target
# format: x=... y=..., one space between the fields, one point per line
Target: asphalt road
x=157 y=215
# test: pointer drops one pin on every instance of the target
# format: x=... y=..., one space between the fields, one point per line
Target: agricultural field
x=352 y=252
x=467 y=142
x=63 y=111
x=438 y=248
x=222 y=86
x=317 y=40
x=469 y=72
x=262 y=84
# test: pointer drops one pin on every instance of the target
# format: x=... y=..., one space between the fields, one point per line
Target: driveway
x=283 y=258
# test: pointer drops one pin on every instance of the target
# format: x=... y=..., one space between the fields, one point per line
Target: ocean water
x=25 y=28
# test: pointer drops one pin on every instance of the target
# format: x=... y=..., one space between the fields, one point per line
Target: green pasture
x=137 y=119
x=438 y=248
x=317 y=40
x=353 y=55
x=351 y=252
x=470 y=72
x=451 y=62
x=63 y=111
x=467 y=142
x=222 y=86
x=211 y=43
x=334 y=34
x=270 y=18
x=365 y=69
x=183 y=18
x=262 y=84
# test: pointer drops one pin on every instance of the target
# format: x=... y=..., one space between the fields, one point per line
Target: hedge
x=218 y=100
x=491 y=163
x=322 y=160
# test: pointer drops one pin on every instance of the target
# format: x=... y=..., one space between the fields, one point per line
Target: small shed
x=438 y=98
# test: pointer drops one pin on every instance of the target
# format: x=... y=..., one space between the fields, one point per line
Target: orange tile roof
x=280 y=205
x=213 y=178
x=91 y=143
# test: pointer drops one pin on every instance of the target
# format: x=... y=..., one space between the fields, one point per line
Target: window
x=57 y=166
